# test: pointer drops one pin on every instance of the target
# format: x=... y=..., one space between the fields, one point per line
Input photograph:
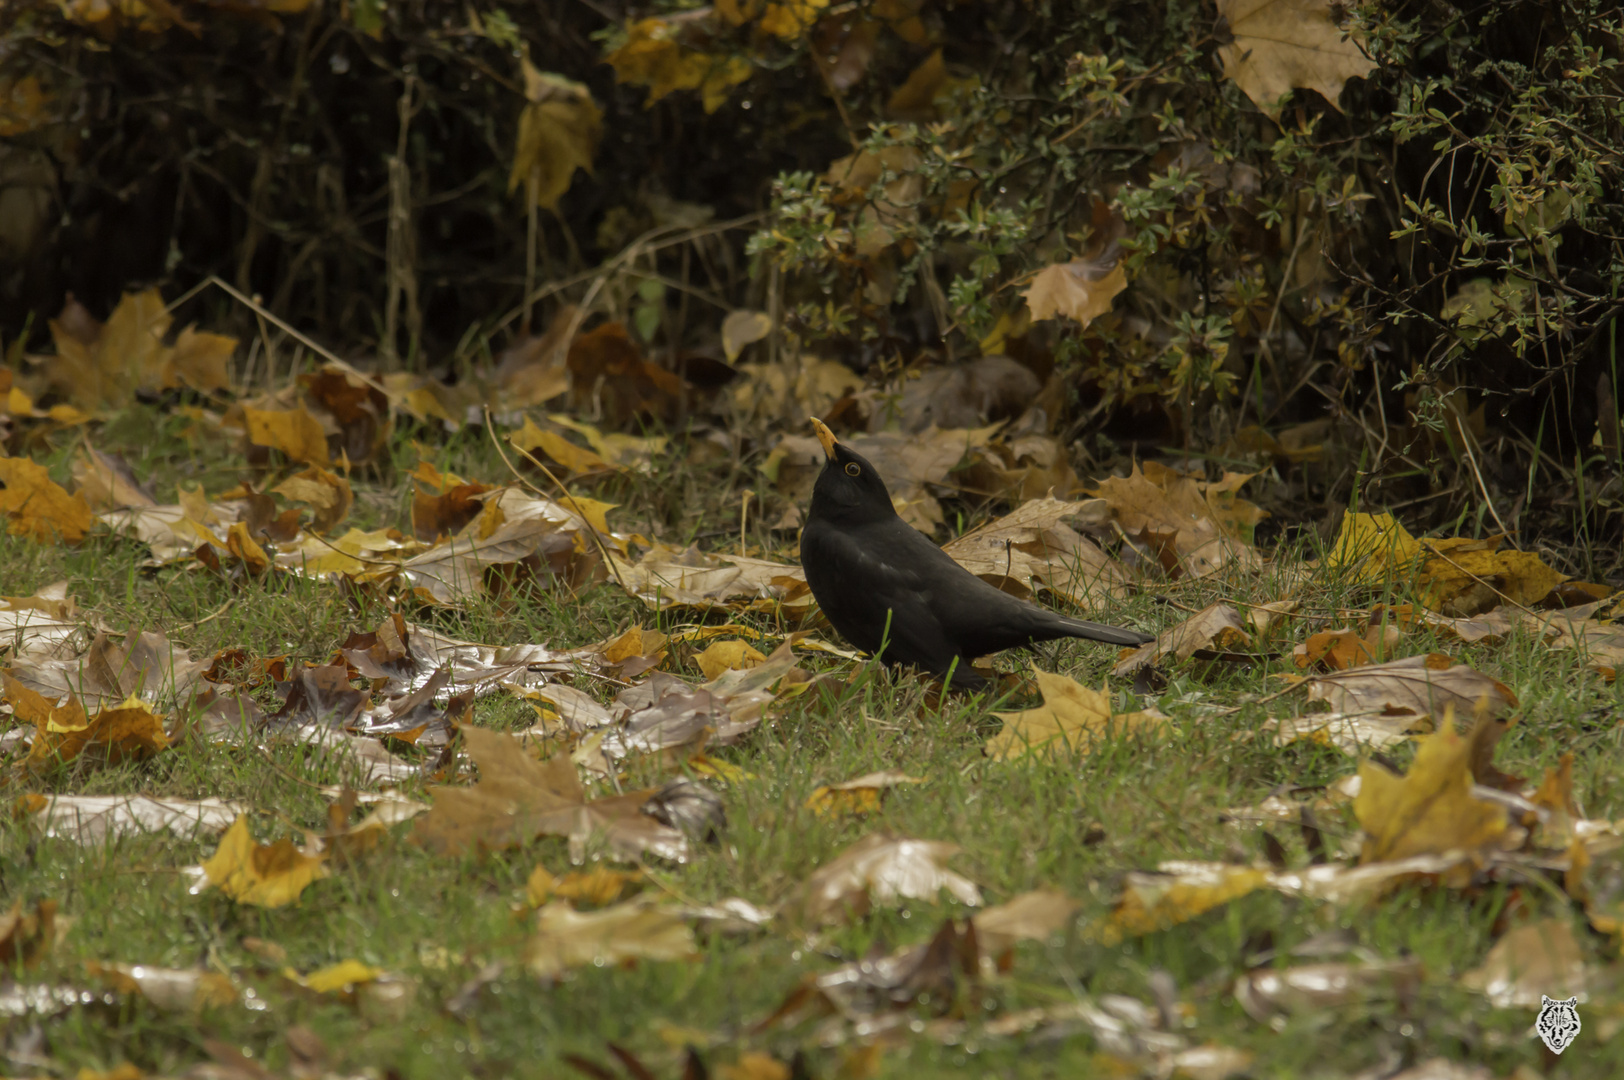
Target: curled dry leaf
x=263 y=875
x=666 y=577
x=1197 y=528
x=129 y=731
x=881 y=868
x=1314 y=988
x=728 y=655
x=1080 y=290
x=93 y=820
x=44 y=626
x=1424 y=685
x=742 y=328
x=1071 y=720
x=1031 y=916
x=172 y=990
x=1338 y=650
x=597 y=887
x=634 y=930
x=1430 y=809
x=106 y=481
x=326 y=493
x=860 y=795
x=1177 y=894
x=1215 y=628
x=1349 y=733
x=1533 y=960
x=108 y=673
x=1031 y=550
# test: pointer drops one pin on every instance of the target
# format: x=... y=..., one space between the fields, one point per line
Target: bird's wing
x=875 y=593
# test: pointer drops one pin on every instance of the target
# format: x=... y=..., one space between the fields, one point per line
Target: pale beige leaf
x=882 y=868
x=1282 y=45
x=1080 y=290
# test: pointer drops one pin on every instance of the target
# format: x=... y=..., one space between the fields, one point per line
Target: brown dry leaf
x=328 y=494
x=1197 y=528
x=262 y=875
x=859 y=795
x=1540 y=958
x=1282 y=45
x=146 y=664
x=352 y=410
x=1417 y=684
x=1031 y=550
x=1071 y=719
x=1031 y=916
x=106 y=481
x=728 y=655
x=532 y=371
x=1216 y=628
x=1312 y=989
x=558 y=133
x=881 y=868
x=455 y=571
x=1179 y=893
x=1431 y=808
x=634 y=930
x=103 y=365
x=172 y=990
x=294 y=432
x=1351 y=734
x=519 y=798
x=597 y=887
x=27 y=935
x=36 y=506
x=609 y=375
x=130 y=731
x=1081 y=290
x=666 y=577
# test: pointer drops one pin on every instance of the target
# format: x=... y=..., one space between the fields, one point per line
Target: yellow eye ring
x=852 y=468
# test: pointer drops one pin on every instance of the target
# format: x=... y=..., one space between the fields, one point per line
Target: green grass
x=1075 y=825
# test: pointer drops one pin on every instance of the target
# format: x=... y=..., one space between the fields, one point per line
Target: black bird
x=894 y=594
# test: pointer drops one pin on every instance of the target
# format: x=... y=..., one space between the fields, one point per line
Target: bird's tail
x=1115 y=635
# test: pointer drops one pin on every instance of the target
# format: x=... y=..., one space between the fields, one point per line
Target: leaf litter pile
x=345 y=734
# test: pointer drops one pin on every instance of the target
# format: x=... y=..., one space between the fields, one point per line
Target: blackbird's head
x=848 y=490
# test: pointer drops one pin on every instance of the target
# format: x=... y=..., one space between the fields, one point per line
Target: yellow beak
x=825 y=436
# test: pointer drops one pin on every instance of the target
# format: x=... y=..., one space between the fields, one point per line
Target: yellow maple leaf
x=1080 y=289
x=38 y=507
x=1071 y=718
x=653 y=57
x=341 y=977
x=558 y=133
x=1152 y=902
x=1282 y=45
x=263 y=875
x=1374 y=547
x=294 y=432
x=1462 y=576
x=733 y=655
x=325 y=492
x=1429 y=809
x=128 y=731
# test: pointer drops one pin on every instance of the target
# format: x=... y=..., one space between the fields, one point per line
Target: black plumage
x=894 y=594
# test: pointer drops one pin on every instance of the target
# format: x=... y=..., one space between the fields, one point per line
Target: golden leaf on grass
x=1462 y=577
x=328 y=494
x=1540 y=958
x=293 y=432
x=730 y=655
x=558 y=133
x=860 y=795
x=26 y=935
x=1374 y=548
x=265 y=875
x=36 y=506
x=1071 y=719
x=1032 y=549
x=653 y=57
x=668 y=577
x=596 y=887
x=1431 y=808
x=340 y=978
x=1081 y=290
x=634 y=930
x=1282 y=45
x=1349 y=734
x=882 y=868
x=1338 y=650
x=1417 y=684
x=574 y=460
x=130 y=731
x=742 y=328
x=1182 y=891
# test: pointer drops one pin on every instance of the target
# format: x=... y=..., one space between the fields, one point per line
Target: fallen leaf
x=1081 y=290
x=860 y=795
x=1031 y=916
x=1215 y=628
x=634 y=930
x=1282 y=45
x=262 y=875
x=172 y=990
x=340 y=978
x=294 y=432
x=1338 y=650
x=37 y=507
x=94 y=820
x=597 y=887
x=130 y=731
x=729 y=655
x=1374 y=549
x=328 y=494
x=742 y=328
x=1071 y=720
x=1180 y=892
x=881 y=868
x=1314 y=989
x=105 y=481
x=1429 y=809
x=1197 y=528
x=26 y=935
x=1425 y=684
x=1031 y=550
x=1535 y=959
x=1350 y=733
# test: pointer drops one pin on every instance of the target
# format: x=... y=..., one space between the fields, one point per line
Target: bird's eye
x=852 y=468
